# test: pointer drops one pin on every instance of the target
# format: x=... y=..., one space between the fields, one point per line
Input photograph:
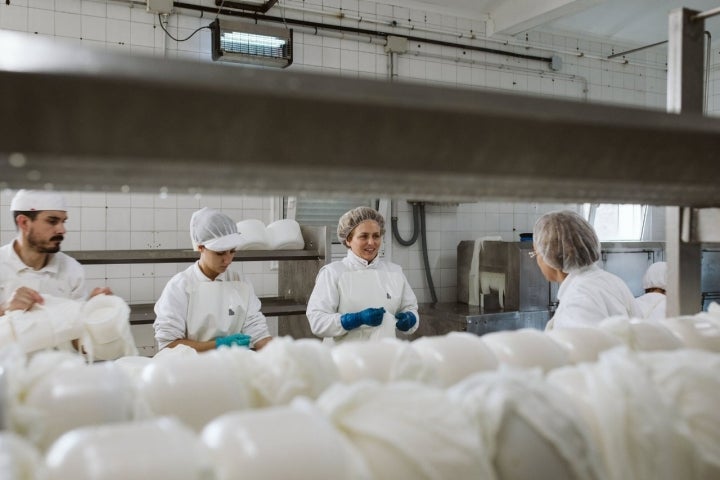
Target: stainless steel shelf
x=99 y=120
x=144 y=313
x=101 y=257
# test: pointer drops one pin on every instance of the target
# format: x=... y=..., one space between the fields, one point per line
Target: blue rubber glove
x=369 y=316
x=405 y=321
x=239 y=339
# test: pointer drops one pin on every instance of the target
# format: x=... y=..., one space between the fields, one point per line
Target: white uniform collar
x=18 y=265
x=572 y=276
x=200 y=276
x=356 y=261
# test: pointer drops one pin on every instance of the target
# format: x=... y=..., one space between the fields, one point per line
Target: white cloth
x=54 y=323
x=173 y=307
x=589 y=295
x=474 y=285
x=528 y=428
x=324 y=305
x=62 y=277
x=652 y=305
x=407 y=430
x=287 y=368
x=640 y=434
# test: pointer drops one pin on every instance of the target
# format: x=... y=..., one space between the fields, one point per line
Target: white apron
x=217 y=309
x=370 y=288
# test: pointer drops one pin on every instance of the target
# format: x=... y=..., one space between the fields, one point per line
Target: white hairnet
x=214 y=230
x=37 y=200
x=655 y=276
x=353 y=218
x=566 y=241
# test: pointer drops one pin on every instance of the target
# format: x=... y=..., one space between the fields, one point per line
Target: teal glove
x=239 y=339
x=369 y=316
x=405 y=321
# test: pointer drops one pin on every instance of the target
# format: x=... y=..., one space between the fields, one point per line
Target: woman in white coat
x=207 y=305
x=361 y=297
x=566 y=248
x=653 y=303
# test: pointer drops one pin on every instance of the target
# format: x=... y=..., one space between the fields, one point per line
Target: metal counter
x=442 y=318
x=496 y=322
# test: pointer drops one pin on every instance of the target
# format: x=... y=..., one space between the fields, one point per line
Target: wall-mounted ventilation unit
x=252 y=44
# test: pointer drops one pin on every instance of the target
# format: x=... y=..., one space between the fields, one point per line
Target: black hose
x=428 y=275
x=416 y=231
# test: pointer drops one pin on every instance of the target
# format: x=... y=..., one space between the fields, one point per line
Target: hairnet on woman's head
x=355 y=217
x=655 y=276
x=214 y=230
x=566 y=241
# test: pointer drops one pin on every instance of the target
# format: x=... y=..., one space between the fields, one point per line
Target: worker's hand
x=369 y=316
x=239 y=339
x=23 y=298
x=100 y=290
x=405 y=321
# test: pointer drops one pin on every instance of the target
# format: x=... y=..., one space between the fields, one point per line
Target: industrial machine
x=512 y=291
x=710 y=275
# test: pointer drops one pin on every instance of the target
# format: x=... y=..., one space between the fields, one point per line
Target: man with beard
x=32 y=264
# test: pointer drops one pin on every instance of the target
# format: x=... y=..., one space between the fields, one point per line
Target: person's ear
x=23 y=222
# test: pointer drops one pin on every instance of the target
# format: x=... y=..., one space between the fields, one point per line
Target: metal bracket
x=700 y=225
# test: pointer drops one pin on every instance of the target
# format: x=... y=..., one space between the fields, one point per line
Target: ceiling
x=639 y=22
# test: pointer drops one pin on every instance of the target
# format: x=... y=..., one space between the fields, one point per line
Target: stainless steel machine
x=710 y=275
x=523 y=286
x=524 y=298
x=630 y=260
x=513 y=292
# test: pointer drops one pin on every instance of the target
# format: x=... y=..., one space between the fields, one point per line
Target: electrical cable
x=217 y=15
x=179 y=40
x=428 y=275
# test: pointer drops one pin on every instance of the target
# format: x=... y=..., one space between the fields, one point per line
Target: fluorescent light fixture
x=252 y=44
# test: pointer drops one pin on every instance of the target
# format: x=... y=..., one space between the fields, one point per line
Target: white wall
x=133 y=220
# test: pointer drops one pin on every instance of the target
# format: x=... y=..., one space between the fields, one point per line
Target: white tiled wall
x=123 y=221
x=139 y=221
x=447 y=225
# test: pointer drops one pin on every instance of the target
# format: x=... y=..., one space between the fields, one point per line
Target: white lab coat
x=62 y=277
x=589 y=295
x=328 y=300
x=652 y=305
x=173 y=310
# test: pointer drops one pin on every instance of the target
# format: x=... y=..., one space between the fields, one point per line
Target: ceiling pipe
x=359 y=31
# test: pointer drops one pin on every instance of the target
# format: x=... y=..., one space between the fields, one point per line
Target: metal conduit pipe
x=502 y=66
x=360 y=31
x=340 y=35
x=707 y=14
x=472 y=36
x=328 y=28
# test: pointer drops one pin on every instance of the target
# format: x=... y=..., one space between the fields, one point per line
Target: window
x=321 y=211
x=617 y=222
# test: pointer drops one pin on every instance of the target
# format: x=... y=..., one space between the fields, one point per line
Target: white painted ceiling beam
x=511 y=17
